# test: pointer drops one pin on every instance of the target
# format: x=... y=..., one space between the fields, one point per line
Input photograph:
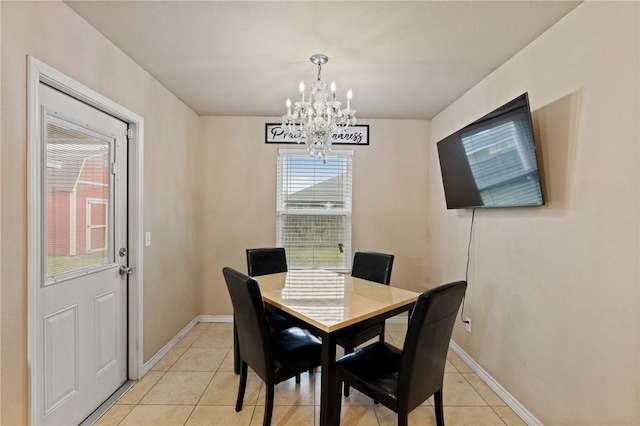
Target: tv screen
x=492 y=162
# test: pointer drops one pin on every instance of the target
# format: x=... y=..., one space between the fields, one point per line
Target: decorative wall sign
x=354 y=135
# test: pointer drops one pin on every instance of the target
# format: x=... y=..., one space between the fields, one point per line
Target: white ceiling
x=402 y=59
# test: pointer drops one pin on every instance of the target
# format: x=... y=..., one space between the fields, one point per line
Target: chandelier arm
x=319 y=70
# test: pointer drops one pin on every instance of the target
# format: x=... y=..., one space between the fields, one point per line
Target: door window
x=78 y=200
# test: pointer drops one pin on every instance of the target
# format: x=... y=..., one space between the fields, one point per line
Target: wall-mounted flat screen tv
x=492 y=162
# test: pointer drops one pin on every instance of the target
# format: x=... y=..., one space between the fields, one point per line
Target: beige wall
x=553 y=291
x=53 y=33
x=239 y=198
x=554 y=294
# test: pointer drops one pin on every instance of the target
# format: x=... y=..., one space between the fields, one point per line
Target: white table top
x=329 y=300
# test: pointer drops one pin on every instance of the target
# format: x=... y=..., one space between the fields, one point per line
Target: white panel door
x=82 y=336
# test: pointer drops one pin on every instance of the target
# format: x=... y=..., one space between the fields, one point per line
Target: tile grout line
x=483 y=398
x=206 y=387
x=498 y=414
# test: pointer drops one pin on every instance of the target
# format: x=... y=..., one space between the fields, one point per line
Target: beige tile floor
x=194 y=384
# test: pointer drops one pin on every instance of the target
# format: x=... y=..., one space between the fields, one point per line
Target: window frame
x=282 y=210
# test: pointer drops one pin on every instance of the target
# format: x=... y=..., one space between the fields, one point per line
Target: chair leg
x=268 y=405
x=236 y=349
x=347 y=350
x=382 y=334
x=298 y=378
x=403 y=419
x=242 y=386
x=437 y=398
x=311 y=370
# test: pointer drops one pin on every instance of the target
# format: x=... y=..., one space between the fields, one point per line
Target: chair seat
x=360 y=335
x=294 y=350
x=278 y=322
x=374 y=371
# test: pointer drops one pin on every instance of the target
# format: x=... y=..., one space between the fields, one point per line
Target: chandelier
x=316 y=119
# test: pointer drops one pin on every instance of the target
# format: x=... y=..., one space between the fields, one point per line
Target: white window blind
x=78 y=200
x=314 y=209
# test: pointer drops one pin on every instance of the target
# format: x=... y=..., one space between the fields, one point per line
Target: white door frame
x=40 y=72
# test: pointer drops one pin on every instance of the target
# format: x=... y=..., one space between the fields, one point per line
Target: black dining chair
x=371 y=266
x=269 y=260
x=263 y=261
x=275 y=356
x=403 y=379
x=266 y=260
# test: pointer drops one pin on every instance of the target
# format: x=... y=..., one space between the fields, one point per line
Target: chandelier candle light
x=316 y=121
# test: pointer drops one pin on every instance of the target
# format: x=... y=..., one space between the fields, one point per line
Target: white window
x=314 y=209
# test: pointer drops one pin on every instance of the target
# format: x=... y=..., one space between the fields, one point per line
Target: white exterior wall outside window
x=314 y=209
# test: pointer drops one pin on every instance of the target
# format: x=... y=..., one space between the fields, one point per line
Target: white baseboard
x=513 y=403
x=166 y=348
x=215 y=318
x=398 y=319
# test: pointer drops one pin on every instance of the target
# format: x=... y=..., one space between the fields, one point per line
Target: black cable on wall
x=466 y=273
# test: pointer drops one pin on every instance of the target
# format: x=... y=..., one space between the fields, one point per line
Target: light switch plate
x=147 y=239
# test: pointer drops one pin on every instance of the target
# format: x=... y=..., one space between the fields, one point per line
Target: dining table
x=330 y=304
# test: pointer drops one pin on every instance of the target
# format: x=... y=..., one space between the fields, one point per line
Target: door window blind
x=314 y=209
x=78 y=199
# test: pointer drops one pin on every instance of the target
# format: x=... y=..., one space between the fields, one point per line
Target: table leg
x=330 y=396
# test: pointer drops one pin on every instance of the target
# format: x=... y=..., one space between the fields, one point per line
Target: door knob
x=125 y=270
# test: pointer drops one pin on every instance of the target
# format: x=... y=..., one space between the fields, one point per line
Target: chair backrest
x=372 y=266
x=425 y=347
x=251 y=322
x=268 y=260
